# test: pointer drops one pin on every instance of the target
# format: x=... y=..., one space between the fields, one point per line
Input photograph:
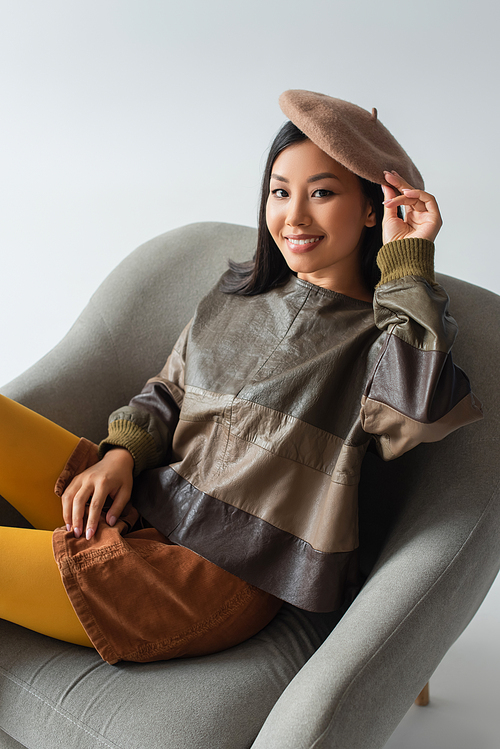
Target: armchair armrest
x=436 y=567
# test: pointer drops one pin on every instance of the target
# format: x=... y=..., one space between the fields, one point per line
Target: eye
x=279 y=193
x=322 y=193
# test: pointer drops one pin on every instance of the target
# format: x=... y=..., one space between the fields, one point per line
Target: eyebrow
x=314 y=178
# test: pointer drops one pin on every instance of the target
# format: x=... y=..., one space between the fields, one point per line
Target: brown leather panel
x=398 y=433
x=423 y=385
x=262 y=555
x=308 y=503
x=157 y=399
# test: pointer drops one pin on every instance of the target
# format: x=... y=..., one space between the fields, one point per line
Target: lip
x=303 y=236
x=300 y=249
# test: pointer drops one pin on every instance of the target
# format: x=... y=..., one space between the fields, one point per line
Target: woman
x=246 y=449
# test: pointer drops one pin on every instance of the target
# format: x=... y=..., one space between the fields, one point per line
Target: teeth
x=304 y=241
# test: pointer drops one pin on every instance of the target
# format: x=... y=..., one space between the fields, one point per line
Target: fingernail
x=89 y=534
x=68 y=527
x=112 y=520
x=77 y=532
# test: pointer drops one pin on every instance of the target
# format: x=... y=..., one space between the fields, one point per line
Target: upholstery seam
x=64 y=714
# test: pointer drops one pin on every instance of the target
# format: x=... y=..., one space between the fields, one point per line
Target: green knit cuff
x=406 y=257
x=139 y=443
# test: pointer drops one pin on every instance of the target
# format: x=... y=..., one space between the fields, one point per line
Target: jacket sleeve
x=145 y=427
x=415 y=393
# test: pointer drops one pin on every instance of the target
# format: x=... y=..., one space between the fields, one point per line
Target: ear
x=371 y=216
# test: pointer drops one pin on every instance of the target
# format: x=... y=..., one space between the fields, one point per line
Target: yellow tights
x=33 y=452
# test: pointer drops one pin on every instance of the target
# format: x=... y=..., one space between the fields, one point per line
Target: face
x=316 y=213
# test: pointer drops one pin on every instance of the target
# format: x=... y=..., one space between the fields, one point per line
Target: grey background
x=124 y=119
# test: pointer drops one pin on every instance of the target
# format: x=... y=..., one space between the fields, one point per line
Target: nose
x=297 y=214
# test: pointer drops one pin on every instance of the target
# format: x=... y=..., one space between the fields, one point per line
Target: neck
x=353 y=288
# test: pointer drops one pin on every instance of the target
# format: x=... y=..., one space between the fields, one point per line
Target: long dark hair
x=268 y=268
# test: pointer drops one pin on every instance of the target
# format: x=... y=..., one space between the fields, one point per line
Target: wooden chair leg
x=423 y=698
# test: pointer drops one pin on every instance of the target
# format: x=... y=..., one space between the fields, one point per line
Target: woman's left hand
x=422 y=218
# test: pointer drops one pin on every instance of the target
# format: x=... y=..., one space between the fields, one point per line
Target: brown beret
x=350 y=135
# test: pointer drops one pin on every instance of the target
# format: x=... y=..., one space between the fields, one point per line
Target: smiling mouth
x=303 y=240
x=300 y=245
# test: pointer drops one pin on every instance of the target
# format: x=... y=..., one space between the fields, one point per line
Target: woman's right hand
x=422 y=217
x=111 y=477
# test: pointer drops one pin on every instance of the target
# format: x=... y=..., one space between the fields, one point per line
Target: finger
x=79 y=504
x=119 y=501
x=389 y=192
x=424 y=197
x=67 y=499
x=390 y=207
x=403 y=186
x=67 y=504
x=406 y=200
x=121 y=525
x=426 y=203
x=396 y=180
x=95 y=509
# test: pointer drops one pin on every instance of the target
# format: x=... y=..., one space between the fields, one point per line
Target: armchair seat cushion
x=60 y=696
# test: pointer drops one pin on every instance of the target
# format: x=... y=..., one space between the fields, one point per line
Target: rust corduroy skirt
x=141 y=598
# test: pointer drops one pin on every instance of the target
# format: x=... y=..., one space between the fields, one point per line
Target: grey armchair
x=429 y=538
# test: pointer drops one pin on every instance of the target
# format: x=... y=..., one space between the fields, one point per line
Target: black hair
x=268 y=267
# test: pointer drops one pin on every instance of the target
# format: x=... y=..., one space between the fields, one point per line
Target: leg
x=33 y=452
x=31 y=590
x=423 y=698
